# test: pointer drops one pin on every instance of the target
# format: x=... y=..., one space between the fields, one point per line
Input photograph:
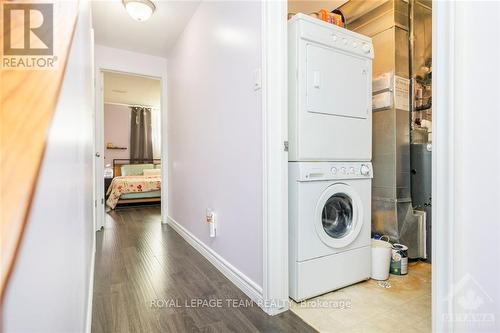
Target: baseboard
x=88 y=320
x=240 y=280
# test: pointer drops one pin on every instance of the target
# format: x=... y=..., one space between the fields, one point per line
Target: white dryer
x=329 y=92
x=329 y=226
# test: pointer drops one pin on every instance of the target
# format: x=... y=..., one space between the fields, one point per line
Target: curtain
x=156 y=132
x=141 y=146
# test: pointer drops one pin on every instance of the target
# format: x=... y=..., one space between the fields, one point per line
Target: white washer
x=329 y=226
x=329 y=92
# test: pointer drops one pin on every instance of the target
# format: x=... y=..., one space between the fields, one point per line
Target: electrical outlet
x=209 y=215
x=210 y=218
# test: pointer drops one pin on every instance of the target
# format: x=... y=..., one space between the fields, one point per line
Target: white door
x=337 y=82
x=99 y=153
x=334 y=121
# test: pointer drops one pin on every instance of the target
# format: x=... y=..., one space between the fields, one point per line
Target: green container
x=399 y=259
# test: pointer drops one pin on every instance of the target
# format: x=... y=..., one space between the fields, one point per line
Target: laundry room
x=360 y=147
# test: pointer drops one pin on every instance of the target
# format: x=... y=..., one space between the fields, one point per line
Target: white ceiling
x=115 y=28
x=131 y=89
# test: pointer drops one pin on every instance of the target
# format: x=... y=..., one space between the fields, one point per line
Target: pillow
x=152 y=172
x=135 y=169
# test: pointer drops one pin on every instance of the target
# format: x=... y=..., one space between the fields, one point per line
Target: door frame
x=99 y=217
x=275 y=156
x=99 y=195
x=443 y=161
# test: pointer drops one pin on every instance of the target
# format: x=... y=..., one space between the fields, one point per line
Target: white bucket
x=381 y=259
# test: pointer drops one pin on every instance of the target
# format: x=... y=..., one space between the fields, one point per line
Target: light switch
x=257 y=79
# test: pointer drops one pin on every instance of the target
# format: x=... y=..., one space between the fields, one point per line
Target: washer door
x=339 y=216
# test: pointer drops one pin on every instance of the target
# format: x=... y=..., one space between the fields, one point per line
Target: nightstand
x=107 y=182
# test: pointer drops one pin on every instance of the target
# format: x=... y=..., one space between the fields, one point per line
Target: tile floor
x=404 y=307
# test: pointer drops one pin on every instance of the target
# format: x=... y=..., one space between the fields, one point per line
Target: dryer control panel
x=317 y=31
x=314 y=171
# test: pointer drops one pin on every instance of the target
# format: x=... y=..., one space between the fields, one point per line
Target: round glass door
x=337 y=215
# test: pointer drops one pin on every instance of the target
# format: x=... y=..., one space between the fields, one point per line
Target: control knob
x=366 y=48
x=365 y=170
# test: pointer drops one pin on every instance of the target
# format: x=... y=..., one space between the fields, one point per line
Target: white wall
x=116 y=132
x=215 y=131
x=466 y=179
x=108 y=58
x=49 y=287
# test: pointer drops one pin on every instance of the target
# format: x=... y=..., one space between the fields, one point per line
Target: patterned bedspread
x=129 y=184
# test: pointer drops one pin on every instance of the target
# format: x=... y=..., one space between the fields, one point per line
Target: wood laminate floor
x=148 y=279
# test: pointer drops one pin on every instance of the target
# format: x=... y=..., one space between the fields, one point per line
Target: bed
x=134 y=182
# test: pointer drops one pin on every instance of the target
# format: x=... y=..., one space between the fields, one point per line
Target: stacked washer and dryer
x=330 y=150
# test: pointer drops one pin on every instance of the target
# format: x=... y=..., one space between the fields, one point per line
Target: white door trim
x=275 y=158
x=443 y=155
x=99 y=195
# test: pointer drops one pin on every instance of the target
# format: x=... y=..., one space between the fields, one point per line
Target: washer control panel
x=311 y=171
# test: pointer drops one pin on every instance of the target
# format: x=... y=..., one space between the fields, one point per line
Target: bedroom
x=132 y=140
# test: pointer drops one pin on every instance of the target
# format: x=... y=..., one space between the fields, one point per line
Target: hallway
x=148 y=279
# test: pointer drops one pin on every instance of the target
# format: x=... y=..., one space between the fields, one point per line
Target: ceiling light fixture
x=139 y=10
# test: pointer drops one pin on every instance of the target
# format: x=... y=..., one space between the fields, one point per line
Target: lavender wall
x=116 y=131
x=215 y=131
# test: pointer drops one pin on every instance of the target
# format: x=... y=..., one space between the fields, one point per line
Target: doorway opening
x=128 y=144
x=391 y=177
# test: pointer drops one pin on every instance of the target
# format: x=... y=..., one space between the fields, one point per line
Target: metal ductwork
x=421 y=120
x=388 y=24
